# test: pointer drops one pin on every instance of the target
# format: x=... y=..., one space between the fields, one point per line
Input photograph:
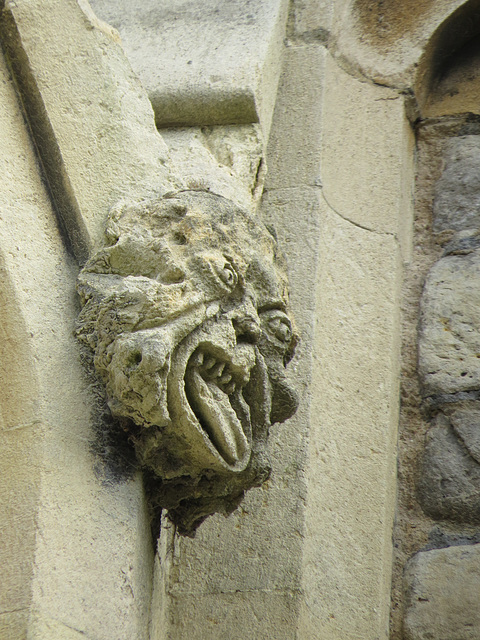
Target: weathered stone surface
x=461 y=243
x=293 y=148
x=449 y=335
x=227 y=160
x=352 y=438
x=457 y=192
x=203 y=63
x=442 y=588
x=367 y=181
x=92 y=121
x=466 y=424
x=46 y=628
x=271 y=615
x=449 y=485
x=312 y=19
x=393 y=43
x=457 y=87
x=76 y=550
x=186 y=312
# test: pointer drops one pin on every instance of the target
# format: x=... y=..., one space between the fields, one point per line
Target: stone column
x=76 y=555
x=79 y=556
x=310 y=554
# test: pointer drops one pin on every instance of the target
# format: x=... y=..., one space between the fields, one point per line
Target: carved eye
x=278 y=325
x=229 y=276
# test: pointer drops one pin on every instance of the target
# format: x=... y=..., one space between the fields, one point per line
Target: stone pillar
x=77 y=559
x=363 y=186
x=310 y=555
x=79 y=555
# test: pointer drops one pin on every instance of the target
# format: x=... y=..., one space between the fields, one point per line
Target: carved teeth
x=209 y=362
x=218 y=372
x=225 y=379
x=218 y=369
x=230 y=389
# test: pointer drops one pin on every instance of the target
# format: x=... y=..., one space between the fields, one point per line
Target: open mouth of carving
x=213 y=387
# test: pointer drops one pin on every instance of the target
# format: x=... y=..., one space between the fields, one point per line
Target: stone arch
x=403 y=45
x=447 y=80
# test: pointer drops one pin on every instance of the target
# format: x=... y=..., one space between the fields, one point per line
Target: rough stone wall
x=411 y=531
x=438 y=498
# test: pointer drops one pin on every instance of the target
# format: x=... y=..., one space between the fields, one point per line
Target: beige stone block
x=367 y=154
x=92 y=122
x=262 y=615
x=13 y=624
x=296 y=214
x=160 y=603
x=227 y=160
x=18 y=406
x=257 y=547
x=73 y=520
x=311 y=17
x=442 y=588
x=20 y=491
x=293 y=152
x=351 y=467
x=203 y=64
x=43 y=628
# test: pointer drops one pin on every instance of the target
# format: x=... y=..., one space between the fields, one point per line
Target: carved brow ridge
x=273 y=306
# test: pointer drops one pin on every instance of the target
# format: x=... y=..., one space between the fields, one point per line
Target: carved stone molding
x=186 y=313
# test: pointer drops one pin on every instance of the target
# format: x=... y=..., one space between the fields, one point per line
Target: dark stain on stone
x=440 y=539
x=384 y=21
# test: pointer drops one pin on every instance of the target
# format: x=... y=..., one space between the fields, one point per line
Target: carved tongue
x=214 y=412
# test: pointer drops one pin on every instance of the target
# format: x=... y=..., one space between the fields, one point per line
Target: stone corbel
x=185 y=317
x=186 y=313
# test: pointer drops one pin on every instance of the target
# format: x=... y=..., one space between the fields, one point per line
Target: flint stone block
x=466 y=424
x=442 y=590
x=449 y=336
x=449 y=487
x=457 y=192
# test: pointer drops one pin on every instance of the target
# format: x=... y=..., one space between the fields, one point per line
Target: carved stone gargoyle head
x=185 y=310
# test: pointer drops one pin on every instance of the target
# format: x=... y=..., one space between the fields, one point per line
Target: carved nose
x=247 y=322
x=247 y=328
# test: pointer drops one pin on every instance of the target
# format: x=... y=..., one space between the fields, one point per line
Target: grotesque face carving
x=185 y=311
